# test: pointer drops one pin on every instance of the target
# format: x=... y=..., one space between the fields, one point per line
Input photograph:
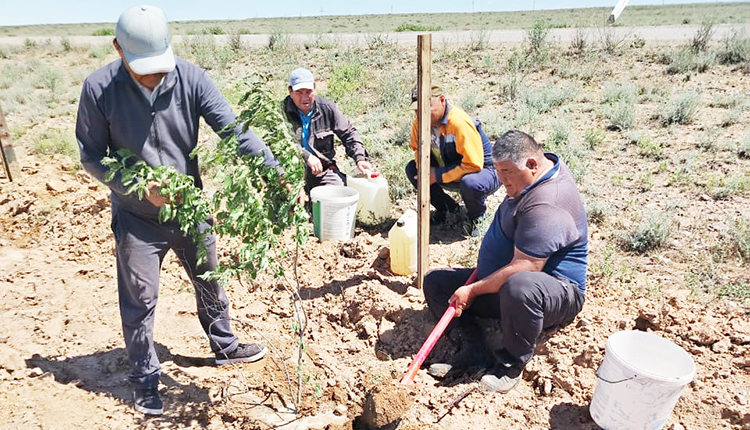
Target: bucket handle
x=598 y=375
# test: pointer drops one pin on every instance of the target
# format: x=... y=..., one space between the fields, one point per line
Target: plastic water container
x=374 y=203
x=403 y=242
x=334 y=210
x=640 y=381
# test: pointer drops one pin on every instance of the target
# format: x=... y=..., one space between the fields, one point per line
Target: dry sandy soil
x=63 y=366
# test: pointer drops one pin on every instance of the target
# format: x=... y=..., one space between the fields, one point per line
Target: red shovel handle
x=433 y=338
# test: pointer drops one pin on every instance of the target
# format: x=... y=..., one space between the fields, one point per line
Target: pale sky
x=28 y=12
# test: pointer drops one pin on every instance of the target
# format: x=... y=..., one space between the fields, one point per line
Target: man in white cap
x=315 y=120
x=150 y=103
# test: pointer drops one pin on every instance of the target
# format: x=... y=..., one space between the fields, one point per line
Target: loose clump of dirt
x=386 y=403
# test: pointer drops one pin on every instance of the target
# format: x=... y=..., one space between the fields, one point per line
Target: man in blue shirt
x=315 y=120
x=531 y=268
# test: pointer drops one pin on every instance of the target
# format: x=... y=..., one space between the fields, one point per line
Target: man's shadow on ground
x=569 y=416
x=106 y=372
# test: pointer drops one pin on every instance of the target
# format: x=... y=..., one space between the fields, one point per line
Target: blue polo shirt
x=547 y=220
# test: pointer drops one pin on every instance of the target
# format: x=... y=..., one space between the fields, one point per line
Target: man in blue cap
x=150 y=102
x=315 y=120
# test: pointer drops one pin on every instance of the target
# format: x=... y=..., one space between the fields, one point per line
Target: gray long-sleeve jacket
x=114 y=113
x=326 y=121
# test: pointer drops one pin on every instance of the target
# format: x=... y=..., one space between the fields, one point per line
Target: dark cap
x=436 y=91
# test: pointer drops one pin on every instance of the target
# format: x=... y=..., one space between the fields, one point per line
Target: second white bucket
x=334 y=211
x=640 y=381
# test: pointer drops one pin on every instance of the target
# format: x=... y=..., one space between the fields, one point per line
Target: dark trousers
x=525 y=305
x=329 y=176
x=141 y=244
x=474 y=189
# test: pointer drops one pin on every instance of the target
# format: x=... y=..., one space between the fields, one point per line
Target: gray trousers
x=141 y=244
x=525 y=305
x=329 y=176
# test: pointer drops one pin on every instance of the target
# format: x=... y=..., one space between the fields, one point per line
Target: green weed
x=407 y=26
x=546 y=98
x=736 y=290
x=729 y=185
x=278 y=40
x=593 y=137
x=650 y=148
x=596 y=209
x=103 y=32
x=702 y=37
x=479 y=40
x=472 y=99
x=208 y=54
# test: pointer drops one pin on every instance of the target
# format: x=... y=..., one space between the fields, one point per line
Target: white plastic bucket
x=374 y=203
x=640 y=381
x=334 y=211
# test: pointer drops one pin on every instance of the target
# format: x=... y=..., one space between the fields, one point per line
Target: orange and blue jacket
x=462 y=147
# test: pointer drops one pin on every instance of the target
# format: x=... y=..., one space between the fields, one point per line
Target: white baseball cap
x=143 y=35
x=301 y=78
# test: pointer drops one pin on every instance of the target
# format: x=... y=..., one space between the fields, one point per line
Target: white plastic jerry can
x=374 y=204
x=403 y=242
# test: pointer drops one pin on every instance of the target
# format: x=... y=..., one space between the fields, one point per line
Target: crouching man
x=531 y=268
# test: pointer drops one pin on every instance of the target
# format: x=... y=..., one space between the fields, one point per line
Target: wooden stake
x=12 y=168
x=424 y=89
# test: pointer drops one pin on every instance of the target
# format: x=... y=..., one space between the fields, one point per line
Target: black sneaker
x=147 y=401
x=245 y=353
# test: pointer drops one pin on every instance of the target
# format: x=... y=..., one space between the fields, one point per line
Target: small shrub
x=345 y=79
x=393 y=90
x=538 y=43
x=682 y=109
x=729 y=185
x=29 y=44
x=702 y=37
x=510 y=87
x=278 y=40
x=620 y=92
x=652 y=233
x=744 y=149
x=208 y=54
x=638 y=42
x=479 y=40
x=65 y=43
x=734 y=241
x=620 y=114
x=701 y=282
x=596 y=209
x=379 y=41
x=548 y=97
x=735 y=48
x=407 y=26
x=213 y=30
x=572 y=152
x=687 y=60
x=471 y=100
x=5 y=52
x=100 y=51
x=579 y=44
x=103 y=32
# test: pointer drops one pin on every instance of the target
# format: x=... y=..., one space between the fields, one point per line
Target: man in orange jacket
x=460 y=158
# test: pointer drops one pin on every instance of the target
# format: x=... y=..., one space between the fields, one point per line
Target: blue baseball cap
x=301 y=78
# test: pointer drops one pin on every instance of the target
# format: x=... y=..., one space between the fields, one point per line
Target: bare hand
x=462 y=298
x=366 y=168
x=315 y=165
x=154 y=195
x=433 y=176
x=301 y=197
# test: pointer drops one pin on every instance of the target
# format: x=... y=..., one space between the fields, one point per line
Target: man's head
x=302 y=89
x=518 y=159
x=142 y=40
x=437 y=103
